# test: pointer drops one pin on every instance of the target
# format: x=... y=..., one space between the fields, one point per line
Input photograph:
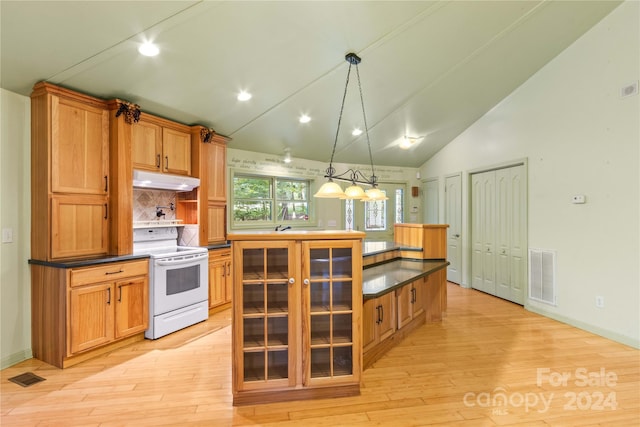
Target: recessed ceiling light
x=304 y=118
x=148 y=49
x=356 y=132
x=244 y=96
x=408 y=142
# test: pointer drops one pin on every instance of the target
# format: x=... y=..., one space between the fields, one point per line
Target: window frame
x=270 y=224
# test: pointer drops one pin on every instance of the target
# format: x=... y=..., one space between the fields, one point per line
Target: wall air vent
x=542 y=275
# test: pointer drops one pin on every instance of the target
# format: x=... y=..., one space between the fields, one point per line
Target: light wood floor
x=455 y=373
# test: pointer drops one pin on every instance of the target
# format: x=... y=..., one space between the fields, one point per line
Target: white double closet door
x=498 y=232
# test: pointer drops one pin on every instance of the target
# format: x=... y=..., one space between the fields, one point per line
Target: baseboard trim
x=15 y=358
x=622 y=339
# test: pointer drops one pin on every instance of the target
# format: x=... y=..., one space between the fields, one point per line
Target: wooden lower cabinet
x=78 y=313
x=220 y=280
x=296 y=318
x=409 y=307
x=378 y=320
x=411 y=301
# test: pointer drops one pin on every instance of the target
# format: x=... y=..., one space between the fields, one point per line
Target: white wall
x=328 y=211
x=579 y=137
x=15 y=202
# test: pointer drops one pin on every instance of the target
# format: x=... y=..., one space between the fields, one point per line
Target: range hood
x=163 y=181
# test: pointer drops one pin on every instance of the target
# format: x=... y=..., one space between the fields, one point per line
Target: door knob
x=292 y=280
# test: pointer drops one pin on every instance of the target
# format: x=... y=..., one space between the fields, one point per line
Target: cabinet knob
x=306 y=282
x=292 y=280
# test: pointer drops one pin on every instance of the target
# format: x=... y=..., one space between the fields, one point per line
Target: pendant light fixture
x=332 y=190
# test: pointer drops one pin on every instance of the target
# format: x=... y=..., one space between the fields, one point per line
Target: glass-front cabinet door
x=267 y=288
x=332 y=303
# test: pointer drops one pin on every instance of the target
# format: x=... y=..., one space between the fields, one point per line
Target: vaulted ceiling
x=429 y=68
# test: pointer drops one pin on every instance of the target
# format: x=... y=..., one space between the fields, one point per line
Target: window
x=375 y=218
x=399 y=205
x=269 y=200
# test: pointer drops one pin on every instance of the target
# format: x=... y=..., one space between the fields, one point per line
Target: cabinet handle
x=229 y=269
x=114 y=272
x=378 y=313
x=381 y=313
x=119 y=293
x=292 y=280
x=166 y=162
x=106 y=211
x=158 y=161
x=108 y=296
x=106 y=183
x=413 y=296
x=306 y=282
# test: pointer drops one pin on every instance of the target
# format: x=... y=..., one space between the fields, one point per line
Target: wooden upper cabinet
x=216 y=172
x=79 y=147
x=146 y=147
x=176 y=152
x=70 y=177
x=158 y=145
x=79 y=226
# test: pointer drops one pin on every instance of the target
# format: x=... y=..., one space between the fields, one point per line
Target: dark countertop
x=386 y=277
x=219 y=246
x=375 y=247
x=87 y=262
x=107 y=259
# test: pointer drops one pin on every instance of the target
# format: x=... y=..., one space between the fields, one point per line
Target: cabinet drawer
x=108 y=272
x=215 y=254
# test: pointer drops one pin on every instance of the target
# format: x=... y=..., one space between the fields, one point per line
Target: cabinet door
x=387 y=315
x=78 y=226
x=217 y=282
x=91 y=316
x=146 y=146
x=176 y=152
x=228 y=283
x=369 y=324
x=403 y=298
x=264 y=315
x=216 y=172
x=131 y=306
x=216 y=223
x=79 y=147
x=332 y=304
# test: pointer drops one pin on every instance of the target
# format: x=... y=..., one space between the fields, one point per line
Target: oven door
x=179 y=281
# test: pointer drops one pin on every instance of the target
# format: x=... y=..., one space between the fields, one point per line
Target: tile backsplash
x=146 y=200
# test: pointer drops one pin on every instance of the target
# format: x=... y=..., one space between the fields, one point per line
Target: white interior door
x=498 y=233
x=477 y=237
x=518 y=244
x=503 y=233
x=453 y=217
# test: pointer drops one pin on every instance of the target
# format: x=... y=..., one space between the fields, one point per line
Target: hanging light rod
x=332 y=190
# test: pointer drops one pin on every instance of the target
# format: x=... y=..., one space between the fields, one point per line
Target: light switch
x=7 y=235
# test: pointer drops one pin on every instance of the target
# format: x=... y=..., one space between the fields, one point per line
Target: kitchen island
x=307 y=318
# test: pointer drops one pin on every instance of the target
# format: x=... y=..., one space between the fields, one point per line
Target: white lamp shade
x=376 y=194
x=354 y=192
x=330 y=190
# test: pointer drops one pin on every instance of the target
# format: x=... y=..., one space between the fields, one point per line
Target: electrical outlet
x=599 y=301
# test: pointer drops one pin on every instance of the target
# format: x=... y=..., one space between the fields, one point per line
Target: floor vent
x=542 y=275
x=26 y=379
